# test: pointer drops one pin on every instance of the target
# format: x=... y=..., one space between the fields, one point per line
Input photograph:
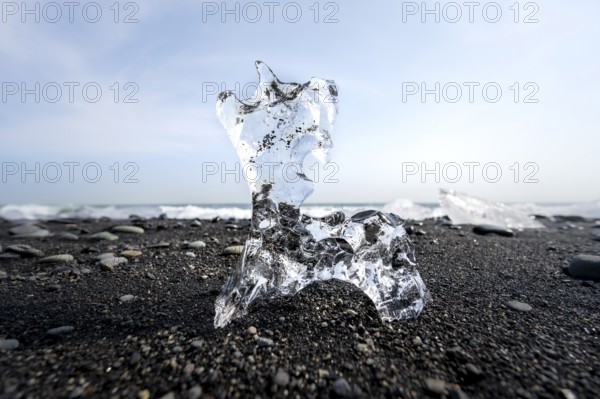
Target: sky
x=114 y=102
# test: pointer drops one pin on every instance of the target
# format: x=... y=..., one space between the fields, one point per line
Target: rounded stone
x=8 y=344
x=25 y=230
x=111 y=262
x=341 y=388
x=282 y=378
x=128 y=229
x=126 y=298
x=262 y=342
x=195 y=245
x=64 y=258
x=234 y=250
x=520 y=306
x=585 y=267
x=24 y=250
x=104 y=236
x=484 y=229
x=198 y=344
x=68 y=236
x=60 y=330
x=130 y=254
x=435 y=386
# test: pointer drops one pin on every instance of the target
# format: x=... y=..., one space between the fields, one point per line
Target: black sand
x=327 y=335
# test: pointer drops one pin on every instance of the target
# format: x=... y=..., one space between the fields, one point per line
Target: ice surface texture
x=464 y=209
x=285 y=250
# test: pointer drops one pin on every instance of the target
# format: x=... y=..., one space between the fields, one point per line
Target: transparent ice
x=285 y=250
x=465 y=209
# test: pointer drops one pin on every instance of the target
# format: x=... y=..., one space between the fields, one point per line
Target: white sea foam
x=407 y=209
x=45 y=212
x=404 y=208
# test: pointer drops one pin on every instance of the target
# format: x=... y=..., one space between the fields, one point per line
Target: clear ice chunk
x=286 y=250
x=464 y=209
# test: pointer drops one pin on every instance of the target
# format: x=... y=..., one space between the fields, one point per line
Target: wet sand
x=326 y=341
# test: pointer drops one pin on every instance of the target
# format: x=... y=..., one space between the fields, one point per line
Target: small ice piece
x=408 y=210
x=286 y=250
x=464 y=209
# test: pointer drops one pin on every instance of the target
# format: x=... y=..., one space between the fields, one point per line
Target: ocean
x=402 y=207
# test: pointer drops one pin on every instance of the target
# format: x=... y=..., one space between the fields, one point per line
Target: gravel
x=81 y=341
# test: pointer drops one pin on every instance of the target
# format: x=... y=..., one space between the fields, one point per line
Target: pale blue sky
x=178 y=48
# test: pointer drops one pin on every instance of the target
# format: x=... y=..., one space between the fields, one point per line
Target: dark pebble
x=341 y=388
x=484 y=229
x=585 y=266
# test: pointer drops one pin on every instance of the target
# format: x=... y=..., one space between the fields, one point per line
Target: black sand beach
x=326 y=341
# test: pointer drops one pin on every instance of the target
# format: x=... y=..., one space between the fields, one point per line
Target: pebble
x=109 y=264
x=435 y=386
x=3 y=275
x=195 y=392
x=126 y=298
x=362 y=348
x=128 y=229
x=104 y=236
x=60 y=330
x=68 y=236
x=585 y=267
x=417 y=341
x=8 y=344
x=252 y=330
x=65 y=258
x=282 y=378
x=473 y=371
x=196 y=223
x=24 y=250
x=484 y=229
x=9 y=256
x=106 y=255
x=234 y=250
x=29 y=230
x=190 y=254
x=341 y=388
x=568 y=394
x=145 y=394
x=38 y=234
x=130 y=254
x=596 y=236
x=456 y=393
x=90 y=250
x=261 y=342
x=161 y=244
x=198 y=344
x=169 y=395
x=521 y=306
x=195 y=245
